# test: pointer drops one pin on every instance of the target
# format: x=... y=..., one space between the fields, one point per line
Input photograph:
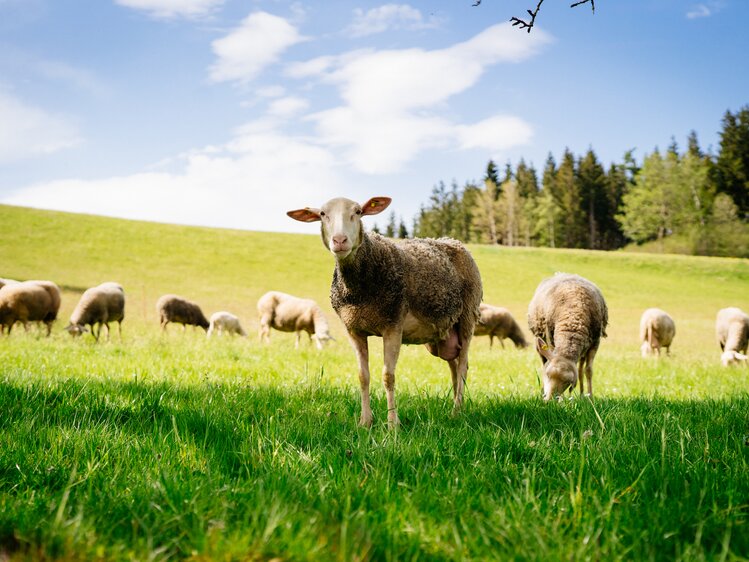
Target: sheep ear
x=375 y=205
x=740 y=356
x=308 y=214
x=543 y=349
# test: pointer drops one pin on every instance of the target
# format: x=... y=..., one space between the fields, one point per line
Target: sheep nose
x=339 y=240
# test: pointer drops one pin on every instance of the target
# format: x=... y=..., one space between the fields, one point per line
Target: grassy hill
x=176 y=447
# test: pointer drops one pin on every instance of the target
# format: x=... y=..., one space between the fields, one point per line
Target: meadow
x=172 y=446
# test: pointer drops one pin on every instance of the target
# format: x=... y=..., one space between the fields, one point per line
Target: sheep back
x=101 y=304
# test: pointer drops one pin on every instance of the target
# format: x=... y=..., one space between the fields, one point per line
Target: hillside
x=230 y=269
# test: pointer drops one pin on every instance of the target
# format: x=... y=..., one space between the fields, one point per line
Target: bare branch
x=528 y=24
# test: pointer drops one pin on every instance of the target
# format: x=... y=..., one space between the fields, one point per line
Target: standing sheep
x=732 y=331
x=498 y=321
x=568 y=316
x=100 y=305
x=25 y=302
x=287 y=313
x=419 y=291
x=54 y=294
x=657 y=330
x=225 y=322
x=172 y=308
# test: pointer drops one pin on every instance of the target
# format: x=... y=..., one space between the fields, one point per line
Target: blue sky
x=228 y=113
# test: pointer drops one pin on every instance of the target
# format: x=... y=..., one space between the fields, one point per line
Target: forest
x=679 y=201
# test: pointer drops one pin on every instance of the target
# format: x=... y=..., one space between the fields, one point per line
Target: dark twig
x=528 y=25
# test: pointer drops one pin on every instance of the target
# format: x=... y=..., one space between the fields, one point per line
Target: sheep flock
x=413 y=291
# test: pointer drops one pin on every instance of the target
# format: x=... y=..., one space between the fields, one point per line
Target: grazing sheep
x=287 y=313
x=419 y=291
x=732 y=330
x=568 y=316
x=172 y=308
x=498 y=321
x=657 y=330
x=25 y=302
x=98 y=305
x=225 y=322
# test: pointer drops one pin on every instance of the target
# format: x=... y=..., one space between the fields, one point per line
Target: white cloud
x=167 y=9
x=494 y=134
x=27 y=131
x=288 y=106
x=258 y=42
x=248 y=183
x=386 y=17
x=393 y=99
x=699 y=11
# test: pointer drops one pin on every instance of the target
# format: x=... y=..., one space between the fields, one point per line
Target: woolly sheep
x=732 y=331
x=568 y=316
x=25 y=302
x=287 y=313
x=657 y=330
x=498 y=321
x=225 y=322
x=172 y=308
x=54 y=294
x=98 y=305
x=419 y=291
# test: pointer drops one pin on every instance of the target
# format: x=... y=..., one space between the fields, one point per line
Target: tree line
x=687 y=201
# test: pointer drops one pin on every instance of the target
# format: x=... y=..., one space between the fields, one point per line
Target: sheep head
x=341 y=229
x=76 y=330
x=560 y=373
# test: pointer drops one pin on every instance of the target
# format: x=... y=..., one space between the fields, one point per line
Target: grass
x=174 y=447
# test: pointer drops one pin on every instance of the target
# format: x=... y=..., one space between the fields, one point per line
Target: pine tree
x=731 y=172
x=390 y=228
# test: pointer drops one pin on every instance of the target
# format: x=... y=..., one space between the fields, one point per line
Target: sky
x=228 y=113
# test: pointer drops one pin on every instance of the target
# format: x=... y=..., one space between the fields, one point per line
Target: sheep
x=25 y=302
x=419 y=291
x=498 y=321
x=54 y=295
x=657 y=330
x=172 y=308
x=288 y=313
x=732 y=331
x=568 y=316
x=225 y=322
x=100 y=305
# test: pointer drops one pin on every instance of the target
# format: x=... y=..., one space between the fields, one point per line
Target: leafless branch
x=528 y=24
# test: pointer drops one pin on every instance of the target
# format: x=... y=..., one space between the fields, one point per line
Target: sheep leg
x=491 y=341
x=391 y=344
x=589 y=370
x=119 y=325
x=298 y=337
x=107 y=325
x=459 y=370
x=361 y=348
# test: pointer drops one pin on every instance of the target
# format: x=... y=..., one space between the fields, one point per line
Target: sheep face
x=76 y=330
x=729 y=358
x=646 y=349
x=560 y=373
x=321 y=339
x=341 y=222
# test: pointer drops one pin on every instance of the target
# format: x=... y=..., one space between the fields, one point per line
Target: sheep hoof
x=393 y=421
x=365 y=421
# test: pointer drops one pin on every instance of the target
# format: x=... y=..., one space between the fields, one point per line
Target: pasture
x=172 y=446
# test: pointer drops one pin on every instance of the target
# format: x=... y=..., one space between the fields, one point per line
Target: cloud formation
x=27 y=131
x=259 y=41
x=699 y=11
x=168 y=9
x=387 y=17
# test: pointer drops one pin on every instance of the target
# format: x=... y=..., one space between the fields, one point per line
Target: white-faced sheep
x=568 y=316
x=25 y=302
x=419 y=291
x=287 y=313
x=497 y=321
x=732 y=331
x=224 y=323
x=657 y=330
x=172 y=308
x=98 y=305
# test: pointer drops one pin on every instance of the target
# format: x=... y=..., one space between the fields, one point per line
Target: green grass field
x=173 y=446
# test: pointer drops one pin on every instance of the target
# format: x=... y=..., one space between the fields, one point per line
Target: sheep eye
x=358 y=211
x=322 y=213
